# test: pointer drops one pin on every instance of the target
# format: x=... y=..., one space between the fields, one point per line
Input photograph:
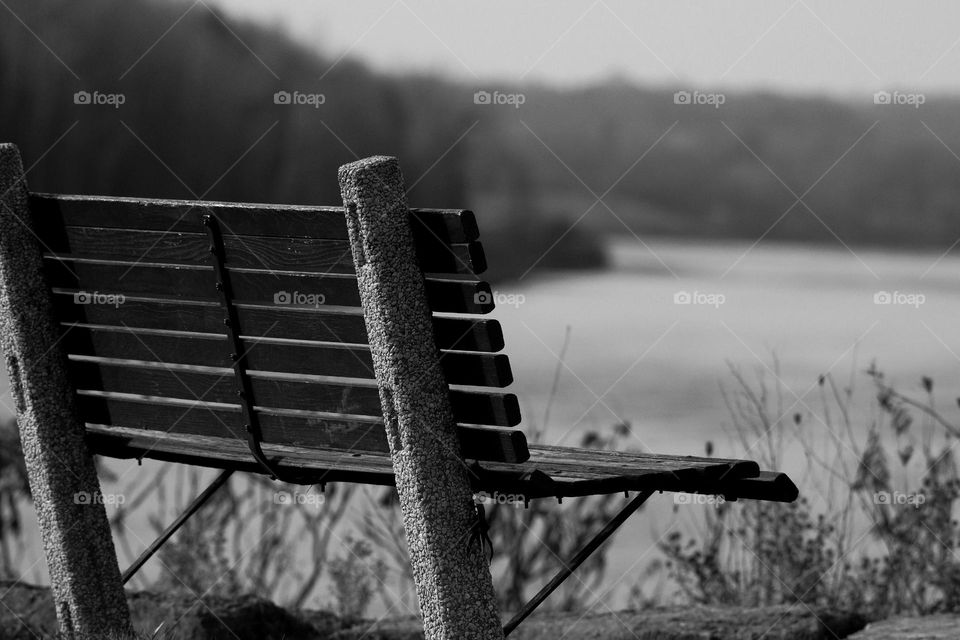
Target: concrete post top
x=373 y=188
x=373 y=163
x=11 y=167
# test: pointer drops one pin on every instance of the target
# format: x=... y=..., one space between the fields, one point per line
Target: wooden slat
x=224 y=421
x=593 y=471
x=467 y=334
x=218 y=385
x=501 y=410
x=252 y=252
x=319 y=465
x=284 y=221
x=606 y=462
x=594 y=480
x=249 y=285
x=301 y=357
x=299 y=429
x=376 y=468
x=769 y=485
x=489 y=443
x=278 y=321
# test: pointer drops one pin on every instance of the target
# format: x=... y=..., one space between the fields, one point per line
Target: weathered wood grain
x=278 y=220
x=315 y=255
x=278 y=321
x=302 y=429
x=271 y=355
x=253 y=286
x=300 y=393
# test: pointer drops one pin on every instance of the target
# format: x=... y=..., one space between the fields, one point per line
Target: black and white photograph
x=407 y=319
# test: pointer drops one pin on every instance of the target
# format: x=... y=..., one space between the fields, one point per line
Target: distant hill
x=200 y=118
x=883 y=173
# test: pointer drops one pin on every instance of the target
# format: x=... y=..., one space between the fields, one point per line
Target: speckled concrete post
x=454 y=587
x=76 y=535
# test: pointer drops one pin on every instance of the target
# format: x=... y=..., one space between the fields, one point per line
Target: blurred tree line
x=199 y=120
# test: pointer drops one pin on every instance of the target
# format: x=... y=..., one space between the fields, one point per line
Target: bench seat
x=550 y=471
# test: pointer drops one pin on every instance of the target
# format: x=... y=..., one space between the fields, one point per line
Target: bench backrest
x=143 y=323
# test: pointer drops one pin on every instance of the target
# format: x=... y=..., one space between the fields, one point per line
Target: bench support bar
x=238 y=353
x=576 y=561
x=77 y=542
x=191 y=509
x=454 y=587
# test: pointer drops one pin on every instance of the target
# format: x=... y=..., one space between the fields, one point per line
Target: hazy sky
x=843 y=47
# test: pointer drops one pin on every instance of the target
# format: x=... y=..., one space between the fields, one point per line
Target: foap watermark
x=309 y=498
x=297 y=98
x=512 y=499
x=698 y=498
x=899 y=98
x=899 y=498
x=499 y=298
x=902 y=298
x=299 y=298
x=86 y=297
x=100 y=99
x=499 y=98
x=699 y=297
x=86 y=497
x=701 y=98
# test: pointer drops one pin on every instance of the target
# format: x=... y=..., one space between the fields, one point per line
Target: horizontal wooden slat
x=284 y=221
x=376 y=468
x=308 y=358
x=769 y=485
x=315 y=465
x=278 y=321
x=501 y=410
x=225 y=421
x=596 y=479
x=594 y=471
x=252 y=252
x=299 y=429
x=606 y=462
x=489 y=443
x=467 y=334
x=218 y=385
x=249 y=285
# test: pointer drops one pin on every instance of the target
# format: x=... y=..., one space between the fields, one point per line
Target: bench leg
x=454 y=587
x=77 y=542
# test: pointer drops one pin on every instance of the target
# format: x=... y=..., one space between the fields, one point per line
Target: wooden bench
x=233 y=336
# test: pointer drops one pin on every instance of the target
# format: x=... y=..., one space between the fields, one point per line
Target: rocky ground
x=941 y=627
x=27 y=613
